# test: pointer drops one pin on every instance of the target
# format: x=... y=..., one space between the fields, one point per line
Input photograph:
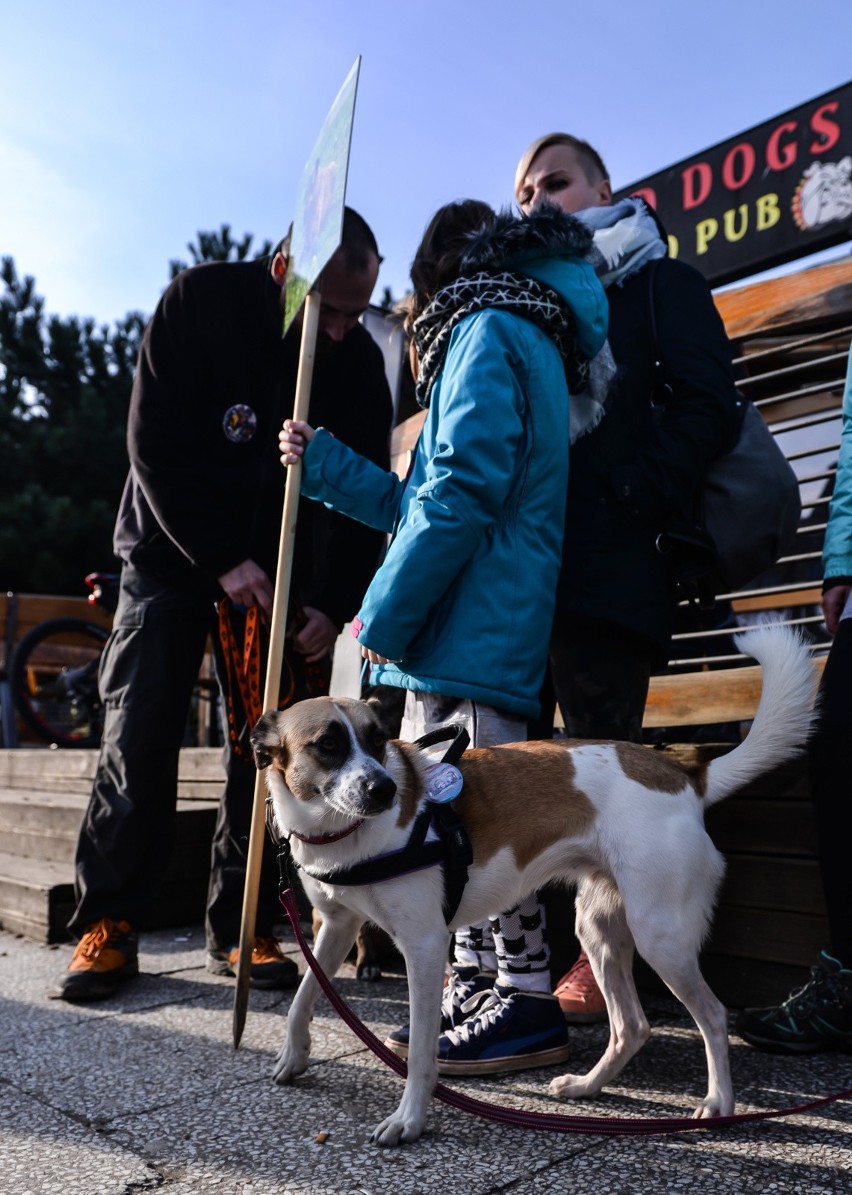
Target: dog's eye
x=328 y=743
x=378 y=739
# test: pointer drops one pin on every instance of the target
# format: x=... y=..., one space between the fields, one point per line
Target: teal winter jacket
x=837 y=548
x=464 y=598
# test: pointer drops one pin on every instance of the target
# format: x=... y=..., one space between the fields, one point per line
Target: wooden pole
x=310 y=323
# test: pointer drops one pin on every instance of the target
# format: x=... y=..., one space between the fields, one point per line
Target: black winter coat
x=638 y=470
x=198 y=501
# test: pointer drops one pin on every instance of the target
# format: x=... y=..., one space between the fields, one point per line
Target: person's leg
x=473 y=972
x=229 y=852
x=508 y=1020
x=475 y=946
x=600 y=674
x=818 y=1016
x=829 y=765
x=148 y=669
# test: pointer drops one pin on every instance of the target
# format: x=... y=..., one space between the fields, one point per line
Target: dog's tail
x=784 y=716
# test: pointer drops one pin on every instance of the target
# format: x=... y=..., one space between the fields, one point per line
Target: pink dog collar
x=321 y=839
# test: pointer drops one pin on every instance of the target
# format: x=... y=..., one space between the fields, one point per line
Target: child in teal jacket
x=506 y=318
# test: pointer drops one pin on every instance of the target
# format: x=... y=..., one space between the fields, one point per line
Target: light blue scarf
x=625 y=237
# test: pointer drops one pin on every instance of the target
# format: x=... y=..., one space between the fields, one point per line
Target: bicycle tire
x=53 y=675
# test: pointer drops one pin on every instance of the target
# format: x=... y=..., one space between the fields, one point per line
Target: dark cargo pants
x=148 y=670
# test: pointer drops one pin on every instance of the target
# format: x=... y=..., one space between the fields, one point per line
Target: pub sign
x=774 y=193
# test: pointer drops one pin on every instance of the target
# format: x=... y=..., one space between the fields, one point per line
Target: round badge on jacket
x=239 y=423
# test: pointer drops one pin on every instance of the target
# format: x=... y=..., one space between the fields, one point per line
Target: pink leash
x=612 y=1126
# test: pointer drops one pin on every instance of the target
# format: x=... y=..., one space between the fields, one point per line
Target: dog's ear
x=266 y=740
x=375 y=704
x=386 y=709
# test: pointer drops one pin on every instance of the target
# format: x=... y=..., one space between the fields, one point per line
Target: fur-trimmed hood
x=512 y=238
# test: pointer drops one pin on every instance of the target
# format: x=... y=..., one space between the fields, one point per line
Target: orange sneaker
x=270 y=967
x=579 y=996
x=106 y=956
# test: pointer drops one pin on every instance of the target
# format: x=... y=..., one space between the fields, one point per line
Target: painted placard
x=318 y=215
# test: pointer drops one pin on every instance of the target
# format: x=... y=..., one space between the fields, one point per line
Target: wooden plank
x=770 y=827
x=797 y=408
x=704 y=698
x=765 y=934
x=39 y=770
x=42 y=769
x=778 y=884
x=751 y=983
x=779 y=601
x=33 y=608
x=693 y=699
x=794 y=301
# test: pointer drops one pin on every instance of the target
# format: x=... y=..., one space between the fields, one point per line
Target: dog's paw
x=712 y=1106
x=574 y=1087
x=292 y=1061
x=396 y=1130
x=370 y=972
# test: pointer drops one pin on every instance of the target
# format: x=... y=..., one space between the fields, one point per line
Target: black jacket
x=200 y=499
x=638 y=470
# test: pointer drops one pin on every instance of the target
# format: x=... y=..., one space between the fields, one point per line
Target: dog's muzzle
x=380 y=792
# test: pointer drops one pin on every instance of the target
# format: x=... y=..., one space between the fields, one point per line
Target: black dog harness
x=450 y=847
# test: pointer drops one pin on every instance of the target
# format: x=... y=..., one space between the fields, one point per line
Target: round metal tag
x=443 y=782
x=239 y=423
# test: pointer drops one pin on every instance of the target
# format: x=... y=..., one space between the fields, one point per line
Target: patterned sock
x=523 y=956
x=474 y=947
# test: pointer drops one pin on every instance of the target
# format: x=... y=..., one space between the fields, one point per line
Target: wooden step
x=36 y=897
x=45 y=825
x=37 y=889
x=200 y=771
x=43 y=799
x=40 y=825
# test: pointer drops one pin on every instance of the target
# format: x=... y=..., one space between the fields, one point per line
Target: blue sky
x=124 y=129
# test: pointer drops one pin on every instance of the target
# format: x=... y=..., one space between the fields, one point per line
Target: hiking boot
x=106 y=956
x=512 y=1030
x=579 y=996
x=465 y=990
x=270 y=968
x=816 y=1017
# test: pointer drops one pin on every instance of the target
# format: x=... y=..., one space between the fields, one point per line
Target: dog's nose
x=381 y=792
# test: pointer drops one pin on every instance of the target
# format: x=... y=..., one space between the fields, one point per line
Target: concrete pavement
x=145 y=1093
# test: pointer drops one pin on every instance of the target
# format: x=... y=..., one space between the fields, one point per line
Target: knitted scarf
x=506 y=291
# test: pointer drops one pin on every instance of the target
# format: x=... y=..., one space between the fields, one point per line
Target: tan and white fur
x=623 y=822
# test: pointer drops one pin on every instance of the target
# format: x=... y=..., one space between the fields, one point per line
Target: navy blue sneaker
x=466 y=988
x=512 y=1030
x=816 y=1017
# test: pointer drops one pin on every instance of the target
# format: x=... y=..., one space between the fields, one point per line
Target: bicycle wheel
x=54 y=679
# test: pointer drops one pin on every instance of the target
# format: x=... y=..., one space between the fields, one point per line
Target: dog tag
x=443 y=783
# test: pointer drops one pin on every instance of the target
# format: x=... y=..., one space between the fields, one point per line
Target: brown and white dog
x=623 y=822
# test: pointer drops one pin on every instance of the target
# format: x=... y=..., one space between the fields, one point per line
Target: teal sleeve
x=347 y=482
x=837 y=548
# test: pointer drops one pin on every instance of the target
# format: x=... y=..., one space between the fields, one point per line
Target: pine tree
x=64 y=392
x=219 y=246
